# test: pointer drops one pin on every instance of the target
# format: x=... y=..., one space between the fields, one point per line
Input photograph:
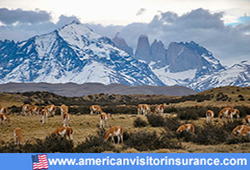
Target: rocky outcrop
x=185 y=56
x=143 y=49
x=121 y=44
x=158 y=52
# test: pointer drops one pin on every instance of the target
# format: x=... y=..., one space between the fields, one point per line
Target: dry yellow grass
x=130 y=150
x=83 y=125
x=231 y=91
x=8 y=100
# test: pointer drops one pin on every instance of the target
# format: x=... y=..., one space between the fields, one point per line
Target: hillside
x=78 y=90
x=223 y=96
x=123 y=108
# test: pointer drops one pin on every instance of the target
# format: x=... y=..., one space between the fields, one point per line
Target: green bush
x=51 y=144
x=95 y=144
x=210 y=135
x=155 y=120
x=229 y=126
x=186 y=136
x=170 y=109
x=237 y=140
x=138 y=122
x=15 y=109
x=187 y=114
x=172 y=123
x=244 y=110
x=144 y=141
x=79 y=109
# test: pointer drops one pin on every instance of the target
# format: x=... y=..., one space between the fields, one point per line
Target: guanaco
x=115 y=131
x=186 y=127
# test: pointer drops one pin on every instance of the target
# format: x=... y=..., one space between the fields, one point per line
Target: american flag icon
x=40 y=162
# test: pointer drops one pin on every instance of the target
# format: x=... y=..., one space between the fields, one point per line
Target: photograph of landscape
x=112 y=76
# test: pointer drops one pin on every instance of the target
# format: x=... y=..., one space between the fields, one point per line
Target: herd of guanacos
x=144 y=109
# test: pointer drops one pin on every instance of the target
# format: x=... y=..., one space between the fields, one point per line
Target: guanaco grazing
x=146 y=109
x=104 y=120
x=247 y=119
x=3 y=110
x=51 y=109
x=225 y=112
x=44 y=113
x=95 y=109
x=62 y=131
x=18 y=135
x=160 y=108
x=33 y=110
x=25 y=109
x=241 y=130
x=115 y=131
x=235 y=112
x=140 y=109
x=210 y=116
x=64 y=109
x=186 y=127
x=66 y=119
x=3 y=118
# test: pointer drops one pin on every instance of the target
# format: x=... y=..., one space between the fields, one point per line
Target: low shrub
x=138 y=122
x=210 y=135
x=229 y=126
x=172 y=123
x=170 y=109
x=144 y=141
x=187 y=114
x=186 y=136
x=237 y=140
x=79 y=109
x=244 y=110
x=15 y=109
x=124 y=110
x=95 y=144
x=155 y=120
x=51 y=144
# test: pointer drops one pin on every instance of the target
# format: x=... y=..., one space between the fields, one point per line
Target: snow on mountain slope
x=186 y=63
x=171 y=79
x=73 y=53
x=237 y=75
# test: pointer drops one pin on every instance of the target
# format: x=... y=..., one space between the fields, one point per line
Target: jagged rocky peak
x=236 y=75
x=185 y=56
x=121 y=44
x=73 y=53
x=143 y=49
x=158 y=52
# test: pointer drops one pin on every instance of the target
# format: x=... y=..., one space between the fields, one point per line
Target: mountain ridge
x=73 y=53
x=78 y=90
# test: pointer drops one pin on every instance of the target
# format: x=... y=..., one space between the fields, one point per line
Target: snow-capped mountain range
x=74 y=53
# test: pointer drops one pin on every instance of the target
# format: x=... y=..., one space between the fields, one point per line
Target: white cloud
x=228 y=43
